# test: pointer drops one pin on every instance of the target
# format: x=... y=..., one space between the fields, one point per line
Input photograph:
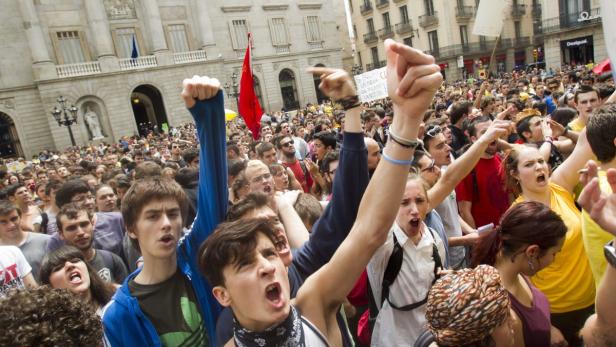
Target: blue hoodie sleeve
x=334 y=225
x=212 y=195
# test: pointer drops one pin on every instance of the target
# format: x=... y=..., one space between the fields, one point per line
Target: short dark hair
x=564 y=115
x=234 y=148
x=329 y=158
x=458 y=110
x=236 y=166
x=232 y=243
x=52 y=185
x=601 y=132
x=605 y=90
x=264 y=147
x=583 y=89
x=70 y=211
x=48 y=317
x=12 y=189
x=7 y=207
x=328 y=139
x=189 y=154
x=147 y=169
x=251 y=202
x=69 y=189
x=472 y=129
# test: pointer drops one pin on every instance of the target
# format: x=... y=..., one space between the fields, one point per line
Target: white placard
x=372 y=85
x=608 y=12
x=460 y=61
x=490 y=18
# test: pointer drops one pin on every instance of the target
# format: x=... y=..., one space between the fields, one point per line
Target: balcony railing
x=397 y=1
x=465 y=12
x=386 y=32
x=382 y=3
x=189 y=57
x=315 y=45
x=404 y=27
x=536 y=11
x=78 y=69
x=481 y=47
x=283 y=49
x=365 y=8
x=568 y=21
x=370 y=37
x=521 y=41
x=518 y=10
x=137 y=63
x=376 y=65
x=428 y=19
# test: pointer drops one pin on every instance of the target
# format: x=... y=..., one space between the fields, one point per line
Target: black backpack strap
x=44 y=222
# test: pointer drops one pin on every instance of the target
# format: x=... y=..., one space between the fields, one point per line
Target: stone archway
x=148 y=108
x=9 y=139
x=288 y=89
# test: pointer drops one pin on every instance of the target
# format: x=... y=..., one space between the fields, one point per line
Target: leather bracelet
x=402 y=141
x=349 y=102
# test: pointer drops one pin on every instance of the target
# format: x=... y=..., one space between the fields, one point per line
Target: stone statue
x=93 y=125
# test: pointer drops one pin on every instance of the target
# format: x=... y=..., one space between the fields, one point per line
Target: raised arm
x=204 y=100
x=462 y=166
x=566 y=175
x=602 y=209
x=412 y=80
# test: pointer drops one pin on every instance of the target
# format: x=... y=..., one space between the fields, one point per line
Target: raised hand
x=412 y=79
x=601 y=206
x=335 y=83
x=557 y=129
x=497 y=129
x=199 y=88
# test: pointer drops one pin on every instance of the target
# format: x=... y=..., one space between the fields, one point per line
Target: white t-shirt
x=13 y=268
x=394 y=327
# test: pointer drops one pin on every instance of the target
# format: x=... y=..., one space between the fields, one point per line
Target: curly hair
x=48 y=317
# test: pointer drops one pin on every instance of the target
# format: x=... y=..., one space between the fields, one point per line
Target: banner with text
x=372 y=85
x=490 y=18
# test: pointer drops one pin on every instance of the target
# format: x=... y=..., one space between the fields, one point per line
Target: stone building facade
x=124 y=61
x=444 y=29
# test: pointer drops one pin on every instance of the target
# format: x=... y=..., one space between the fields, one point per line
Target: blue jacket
x=123 y=321
x=330 y=229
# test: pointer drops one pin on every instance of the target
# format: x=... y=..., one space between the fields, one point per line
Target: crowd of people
x=466 y=213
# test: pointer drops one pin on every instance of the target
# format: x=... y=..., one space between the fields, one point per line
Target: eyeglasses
x=432 y=132
x=430 y=168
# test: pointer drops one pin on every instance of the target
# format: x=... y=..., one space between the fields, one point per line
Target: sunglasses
x=287 y=143
x=435 y=130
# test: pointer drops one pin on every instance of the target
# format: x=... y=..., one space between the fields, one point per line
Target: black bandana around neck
x=287 y=334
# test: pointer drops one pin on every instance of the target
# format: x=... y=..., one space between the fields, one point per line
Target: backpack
x=391 y=272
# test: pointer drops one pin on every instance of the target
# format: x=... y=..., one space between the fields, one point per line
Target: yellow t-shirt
x=567 y=282
x=595 y=237
x=577 y=125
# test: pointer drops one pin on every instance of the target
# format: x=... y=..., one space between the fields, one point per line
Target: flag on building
x=249 y=107
x=134 y=53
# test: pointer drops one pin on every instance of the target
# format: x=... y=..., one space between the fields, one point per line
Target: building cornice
x=242 y=8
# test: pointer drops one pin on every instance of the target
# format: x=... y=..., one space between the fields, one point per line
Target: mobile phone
x=485 y=228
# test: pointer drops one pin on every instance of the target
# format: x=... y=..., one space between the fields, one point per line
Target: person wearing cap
x=471 y=307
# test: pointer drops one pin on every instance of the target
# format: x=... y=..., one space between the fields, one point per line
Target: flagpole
x=492 y=56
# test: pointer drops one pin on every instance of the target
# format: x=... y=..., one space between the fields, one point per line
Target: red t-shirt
x=304 y=180
x=486 y=191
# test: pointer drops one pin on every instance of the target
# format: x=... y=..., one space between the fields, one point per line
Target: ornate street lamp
x=232 y=89
x=65 y=116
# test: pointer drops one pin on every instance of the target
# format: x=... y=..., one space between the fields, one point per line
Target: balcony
x=78 y=69
x=386 y=32
x=382 y=3
x=283 y=49
x=521 y=41
x=189 y=57
x=536 y=11
x=376 y=65
x=569 y=21
x=465 y=13
x=365 y=8
x=137 y=63
x=427 y=20
x=403 y=28
x=370 y=37
x=397 y=1
x=518 y=10
x=315 y=45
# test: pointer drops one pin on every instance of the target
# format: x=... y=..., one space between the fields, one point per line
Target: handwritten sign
x=372 y=85
x=608 y=12
x=490 y=18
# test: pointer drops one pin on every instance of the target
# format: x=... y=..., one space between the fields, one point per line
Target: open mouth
x=273 y=293
x=541 y=178
x=415 y=222
x=74 y=278
x=267 y=189
x=281 y=247
x=167 y=239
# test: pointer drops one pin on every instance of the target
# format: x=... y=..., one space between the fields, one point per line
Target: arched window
x=288 y=89
x=9 y=139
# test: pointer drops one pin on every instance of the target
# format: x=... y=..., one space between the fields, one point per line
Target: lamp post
x=232 y=89
x=65 y=116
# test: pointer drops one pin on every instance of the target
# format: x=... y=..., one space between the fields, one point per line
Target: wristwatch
x=610 y=253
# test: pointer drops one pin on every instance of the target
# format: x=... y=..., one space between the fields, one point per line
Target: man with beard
x=287 y=150
x=75 y=227
x=482 y=198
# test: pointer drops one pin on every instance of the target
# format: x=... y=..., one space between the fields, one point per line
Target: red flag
x=602 y=67
x=249 y=107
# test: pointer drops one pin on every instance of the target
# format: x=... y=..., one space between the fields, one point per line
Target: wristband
x=349 y=102
x=396 y=161
x=402 y=141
